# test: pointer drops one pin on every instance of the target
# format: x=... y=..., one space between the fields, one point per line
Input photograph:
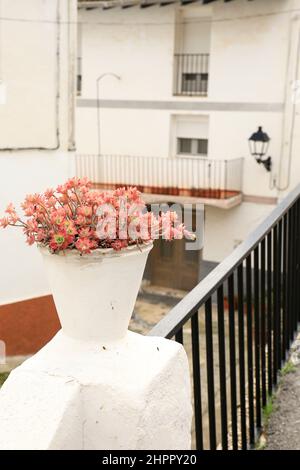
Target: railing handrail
x=175 y=157
x=178 y=316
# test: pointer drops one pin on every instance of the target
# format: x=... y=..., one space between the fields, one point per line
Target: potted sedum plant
x=95 y=245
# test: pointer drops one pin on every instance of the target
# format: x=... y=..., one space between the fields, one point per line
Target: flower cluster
x=74 y=216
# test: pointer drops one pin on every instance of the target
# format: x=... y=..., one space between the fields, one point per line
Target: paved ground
x=152 y=304
x=283 y=431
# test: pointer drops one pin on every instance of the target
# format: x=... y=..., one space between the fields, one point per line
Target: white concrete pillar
x=89 y=389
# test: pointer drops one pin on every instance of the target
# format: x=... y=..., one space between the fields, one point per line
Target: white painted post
x=96 y=385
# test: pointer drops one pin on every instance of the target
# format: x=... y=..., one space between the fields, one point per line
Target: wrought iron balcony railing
x=191 y=74
x=194 y=177
x=237 y=326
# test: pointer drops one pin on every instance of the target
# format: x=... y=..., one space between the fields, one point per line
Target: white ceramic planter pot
x=95 y=293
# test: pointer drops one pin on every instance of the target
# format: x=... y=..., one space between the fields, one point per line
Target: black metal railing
x=191 y=74
x=237 y=326
x=195 y=177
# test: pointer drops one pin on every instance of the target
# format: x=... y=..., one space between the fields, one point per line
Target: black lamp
x=258 y=145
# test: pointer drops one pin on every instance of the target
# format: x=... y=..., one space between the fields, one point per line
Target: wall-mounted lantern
x=259 y=144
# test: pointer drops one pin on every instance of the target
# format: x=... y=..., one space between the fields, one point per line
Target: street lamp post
x=98 y=104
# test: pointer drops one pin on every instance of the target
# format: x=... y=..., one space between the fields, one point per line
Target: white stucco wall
x=38 y=113
x=26 y=172
x=224 y=230
x=24 y=64
x=253 y=63
x=249 y=51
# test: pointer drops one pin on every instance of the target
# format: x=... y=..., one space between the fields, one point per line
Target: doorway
x=171 y=265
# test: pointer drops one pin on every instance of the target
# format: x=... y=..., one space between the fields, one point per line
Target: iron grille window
x=79 y=77
x=191 y=74
x=79 y=84
x=192 y=146
x=194 y=83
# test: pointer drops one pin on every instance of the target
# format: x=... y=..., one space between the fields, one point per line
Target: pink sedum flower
x=30 y=239
x=49 y=193
x=60 y=241
x=69 y=227
x=10 y=209
x=85 y=211
x=41 y=235
x=85 y=245
x=75 y=217
x=86 y=232
x=58 y=216
x=4 y=222
x=119 y=244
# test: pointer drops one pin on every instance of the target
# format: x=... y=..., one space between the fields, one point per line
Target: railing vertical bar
x=83 y=165
x=197 y=381
x=232 y=362
x=179 y=336
x=298 y=262
x=269 y=312
x=293 y=283
x=185 y=70
x=179 y=75
x=257 y=338
x=194 y=70
x=226 y=176
x=202 y=70
x=285 y=338
x=263 y=320
x=250 y=349
x=289 y=276
x=222 y=367
x=210 y=374
x=279 y=294
x=177 y=72
x=275 y=303
x=293 y=270
x=242 y=356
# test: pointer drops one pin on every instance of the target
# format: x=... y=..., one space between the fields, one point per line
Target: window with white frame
x=190 y=135
x=186 y=146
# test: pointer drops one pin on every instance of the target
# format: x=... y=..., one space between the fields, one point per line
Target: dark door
x=171 y=265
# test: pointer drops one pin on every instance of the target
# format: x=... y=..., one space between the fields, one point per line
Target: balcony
x=213 y=182
x=191 y=74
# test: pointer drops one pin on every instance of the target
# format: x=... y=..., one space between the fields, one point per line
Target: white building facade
x=189 y=84
x=38 y=89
